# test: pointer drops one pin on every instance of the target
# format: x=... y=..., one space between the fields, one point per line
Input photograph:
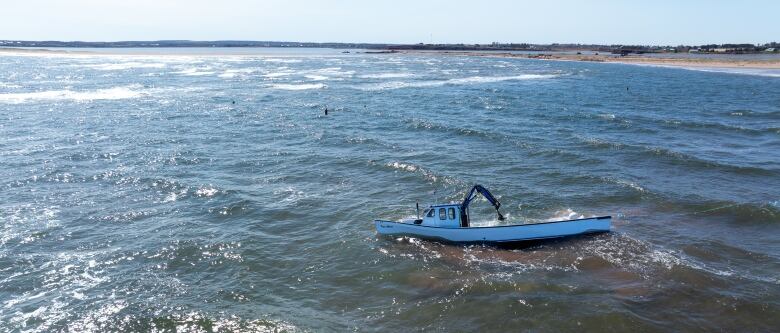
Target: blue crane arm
x=485 y=193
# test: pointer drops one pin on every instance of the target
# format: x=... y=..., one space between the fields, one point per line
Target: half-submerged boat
x=450 y=223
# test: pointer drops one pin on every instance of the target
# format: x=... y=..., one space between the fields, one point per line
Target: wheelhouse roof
x=445 y=205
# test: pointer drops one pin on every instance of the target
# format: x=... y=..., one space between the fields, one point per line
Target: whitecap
x=305 y=86
x=124 y=66
x=125 y=92
x=9 y=85
x=278 y=74
x=564 y=215
x=206 y=192
x=195 y=71
x=285 y=61
x=230 y=73
x=386 y=75
x=459 y=81
x=333 y=71
x=403 y=166
x=317 y=77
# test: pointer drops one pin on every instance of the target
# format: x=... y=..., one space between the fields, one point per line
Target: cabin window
x=442 y=214
x=451 y=212
x=431 y=212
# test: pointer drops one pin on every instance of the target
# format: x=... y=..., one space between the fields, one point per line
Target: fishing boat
x=450 y=223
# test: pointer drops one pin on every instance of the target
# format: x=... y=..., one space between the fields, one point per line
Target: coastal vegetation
x=744 y=48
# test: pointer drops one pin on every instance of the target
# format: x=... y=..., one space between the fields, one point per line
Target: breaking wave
x=307 y=86
x=195 y=71
x=459 y=81
x=386 y=76
x=124 y=92
x=125 y=65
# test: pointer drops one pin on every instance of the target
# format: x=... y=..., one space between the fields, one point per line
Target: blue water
x=198 y=192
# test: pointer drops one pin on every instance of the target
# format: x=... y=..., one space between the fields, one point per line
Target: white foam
x=230 y=73
x=386 y=76
x=278 y=74
x=403 y=166
x=124 y=66
x=317 y=77
x=114 y=93
x=284 y=61
x=305 y=86
x=195 y=71
x=206 y=192
x=566 y=214
x=9 y=85
x=459 y=81
x=333 y=71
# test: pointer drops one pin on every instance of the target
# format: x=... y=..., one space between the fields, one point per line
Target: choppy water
x=134 y=195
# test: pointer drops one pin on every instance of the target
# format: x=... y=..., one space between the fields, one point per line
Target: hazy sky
x=399 y=21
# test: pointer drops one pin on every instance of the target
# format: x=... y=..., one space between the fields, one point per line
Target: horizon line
x=3 y=41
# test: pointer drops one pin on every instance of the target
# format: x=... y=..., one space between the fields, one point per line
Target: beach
x=725 y=61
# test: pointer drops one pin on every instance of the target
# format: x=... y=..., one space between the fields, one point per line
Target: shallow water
x=137 y=196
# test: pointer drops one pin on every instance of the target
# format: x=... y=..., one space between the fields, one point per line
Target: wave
x=735 y=212
x=533 y=150
x=387 y=75
x=333 y=71
x=636 y=260
x=740 y=71
x=110 y=318
x=316 y=77
x=429 y=175
x=305 y=86
x=124 y=66
x=125 y=92
x=715 y=126
x=673 y=156
x=9 y=85
x=195 y=71
x=459 y=81
x=284 y=61
x=278 y=74
x=723 y=70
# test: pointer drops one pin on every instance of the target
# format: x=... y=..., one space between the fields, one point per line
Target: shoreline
x=725 y=63
x=678 y=62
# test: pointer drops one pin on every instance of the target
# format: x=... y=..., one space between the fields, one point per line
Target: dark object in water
x=326 y=111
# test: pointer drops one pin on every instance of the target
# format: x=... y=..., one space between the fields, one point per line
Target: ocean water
x=207 y=192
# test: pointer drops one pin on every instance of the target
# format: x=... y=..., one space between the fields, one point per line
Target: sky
x=660 y=22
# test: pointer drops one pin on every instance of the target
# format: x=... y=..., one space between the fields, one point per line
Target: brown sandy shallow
x=632 y=59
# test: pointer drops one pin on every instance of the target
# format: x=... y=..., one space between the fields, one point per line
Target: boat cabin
x=444 y=216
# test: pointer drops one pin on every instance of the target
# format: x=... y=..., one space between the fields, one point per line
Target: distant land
x=746 y=48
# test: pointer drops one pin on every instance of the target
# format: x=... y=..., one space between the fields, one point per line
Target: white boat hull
x=497 y=234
